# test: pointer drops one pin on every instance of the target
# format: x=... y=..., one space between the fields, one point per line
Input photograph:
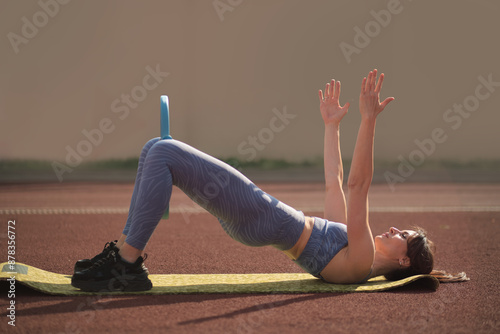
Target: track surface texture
x=57 y=224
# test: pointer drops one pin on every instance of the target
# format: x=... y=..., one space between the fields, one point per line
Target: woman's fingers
x=336 y=94
x=370 y=93
x=373 y=75
x=320 y=93
x=386 y=102
x=374 y=79
x=379 y=84
x=332 y=90
x=370 y=83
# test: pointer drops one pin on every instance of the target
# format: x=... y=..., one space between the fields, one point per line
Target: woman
x=337 y=249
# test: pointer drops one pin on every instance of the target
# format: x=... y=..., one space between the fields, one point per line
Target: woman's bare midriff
x=298 y=248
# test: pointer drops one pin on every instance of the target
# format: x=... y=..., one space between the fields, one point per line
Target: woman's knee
x=149 y=144
x=164 y=148
x=166 y=145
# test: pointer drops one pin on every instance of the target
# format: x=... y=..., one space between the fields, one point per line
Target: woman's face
x=393 y=243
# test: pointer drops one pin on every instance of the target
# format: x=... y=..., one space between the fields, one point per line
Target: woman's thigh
x=247 y=213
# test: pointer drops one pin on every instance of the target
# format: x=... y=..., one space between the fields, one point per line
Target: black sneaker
x=113 y=274
x=81 y=265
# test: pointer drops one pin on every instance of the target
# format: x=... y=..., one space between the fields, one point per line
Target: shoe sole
x=116 y=284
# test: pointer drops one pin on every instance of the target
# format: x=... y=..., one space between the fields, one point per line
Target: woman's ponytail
x=445 y=277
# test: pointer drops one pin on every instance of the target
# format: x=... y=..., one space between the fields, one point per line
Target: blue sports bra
x=327 y=239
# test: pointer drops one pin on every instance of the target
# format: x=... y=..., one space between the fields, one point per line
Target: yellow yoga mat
x=60 y=284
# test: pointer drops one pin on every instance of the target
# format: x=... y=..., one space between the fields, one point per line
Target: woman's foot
x=112 y=273
x=81 y=265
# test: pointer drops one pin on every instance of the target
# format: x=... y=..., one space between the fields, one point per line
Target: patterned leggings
x=245 y=212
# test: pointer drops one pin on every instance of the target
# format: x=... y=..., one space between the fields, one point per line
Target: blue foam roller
x=165 y=118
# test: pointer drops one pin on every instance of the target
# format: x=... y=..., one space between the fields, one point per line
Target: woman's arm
x=361 y=249
x=332 y=113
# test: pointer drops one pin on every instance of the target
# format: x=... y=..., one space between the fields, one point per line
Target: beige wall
x=228 y=71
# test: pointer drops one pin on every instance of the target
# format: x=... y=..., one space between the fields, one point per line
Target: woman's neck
x=383 y=265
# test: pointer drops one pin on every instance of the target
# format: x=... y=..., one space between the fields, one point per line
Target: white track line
x=192 y=209
x=389 y=209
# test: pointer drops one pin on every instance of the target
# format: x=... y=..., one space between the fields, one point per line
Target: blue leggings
x=245 y=212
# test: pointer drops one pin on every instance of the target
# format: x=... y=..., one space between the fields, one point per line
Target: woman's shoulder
x=342 y=270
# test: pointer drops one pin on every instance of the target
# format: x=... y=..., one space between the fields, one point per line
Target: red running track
x=462 y=219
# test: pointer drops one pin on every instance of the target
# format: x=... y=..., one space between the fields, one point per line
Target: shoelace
x=110 y=244
x=111 y=257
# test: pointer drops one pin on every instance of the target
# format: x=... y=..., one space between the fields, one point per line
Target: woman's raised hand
x=331 y=111
x=369 y=98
